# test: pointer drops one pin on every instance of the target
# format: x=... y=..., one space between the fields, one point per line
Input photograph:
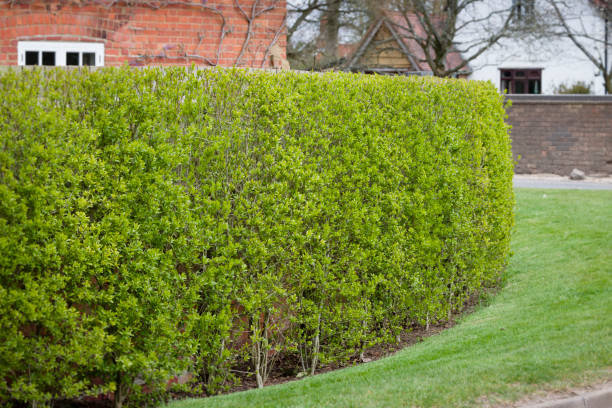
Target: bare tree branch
x=435 y=27
x=274 y=40
x=582 y=38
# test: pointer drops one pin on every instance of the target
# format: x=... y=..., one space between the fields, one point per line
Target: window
x=523 y=9
x=521 y=81
x=60 y=53
x=48 y=58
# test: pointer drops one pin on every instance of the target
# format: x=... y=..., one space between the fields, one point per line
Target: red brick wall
x=146 y=32
x=555 y=134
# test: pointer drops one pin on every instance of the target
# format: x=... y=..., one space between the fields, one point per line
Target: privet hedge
x=158 y=221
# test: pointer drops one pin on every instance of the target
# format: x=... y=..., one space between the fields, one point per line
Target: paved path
x=528 y=181
x=598 y=399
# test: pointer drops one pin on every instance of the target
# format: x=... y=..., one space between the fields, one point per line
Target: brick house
x=248 y=33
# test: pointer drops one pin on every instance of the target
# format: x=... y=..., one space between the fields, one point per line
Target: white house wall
x=560 y=59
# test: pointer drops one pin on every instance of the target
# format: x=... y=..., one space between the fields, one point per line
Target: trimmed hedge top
x=158 y=220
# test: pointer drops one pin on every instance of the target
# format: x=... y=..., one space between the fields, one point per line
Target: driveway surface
x=601 y=398
x=558 y=182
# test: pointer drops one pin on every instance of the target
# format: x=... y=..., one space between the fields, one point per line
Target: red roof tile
x=397 y=21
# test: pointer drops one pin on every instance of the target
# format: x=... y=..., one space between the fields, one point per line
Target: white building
x=528 y=64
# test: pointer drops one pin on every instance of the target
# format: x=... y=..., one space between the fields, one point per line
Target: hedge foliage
x=161 y=220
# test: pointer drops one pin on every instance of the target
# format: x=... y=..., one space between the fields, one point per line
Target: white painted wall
x=561 y=60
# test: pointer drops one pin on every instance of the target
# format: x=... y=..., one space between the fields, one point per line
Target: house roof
x=346 y=50
x=396 y=23
x=603 y=4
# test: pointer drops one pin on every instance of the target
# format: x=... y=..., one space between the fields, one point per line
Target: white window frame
x=60 y=48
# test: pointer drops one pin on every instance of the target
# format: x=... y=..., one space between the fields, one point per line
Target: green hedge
x=161 y=220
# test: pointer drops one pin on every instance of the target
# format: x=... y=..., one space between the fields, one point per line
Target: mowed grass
x=550 y=327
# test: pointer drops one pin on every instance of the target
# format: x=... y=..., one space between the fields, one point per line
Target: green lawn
x=548 y=328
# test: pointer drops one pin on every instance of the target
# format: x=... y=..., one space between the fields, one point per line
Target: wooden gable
x=382 y=50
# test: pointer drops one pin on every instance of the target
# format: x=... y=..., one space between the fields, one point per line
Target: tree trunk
x=257 y=349
x=330 y=29
x=120 y=393
x=316 y=342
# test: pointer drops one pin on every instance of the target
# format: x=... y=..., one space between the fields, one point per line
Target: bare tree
x=315 y=27
x=302 y=14
x=442 y=27
x=585 y=28
x=439 y=28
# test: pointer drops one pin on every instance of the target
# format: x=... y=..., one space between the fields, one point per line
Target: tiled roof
x=397 y=22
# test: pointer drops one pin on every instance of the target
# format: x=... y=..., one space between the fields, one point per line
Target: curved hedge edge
x=154 y=221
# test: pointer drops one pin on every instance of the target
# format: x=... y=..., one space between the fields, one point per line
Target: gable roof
x=369 y=36
x=603 y=4
x=396 y=23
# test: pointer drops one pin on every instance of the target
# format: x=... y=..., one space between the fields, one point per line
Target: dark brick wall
x=555 y=134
